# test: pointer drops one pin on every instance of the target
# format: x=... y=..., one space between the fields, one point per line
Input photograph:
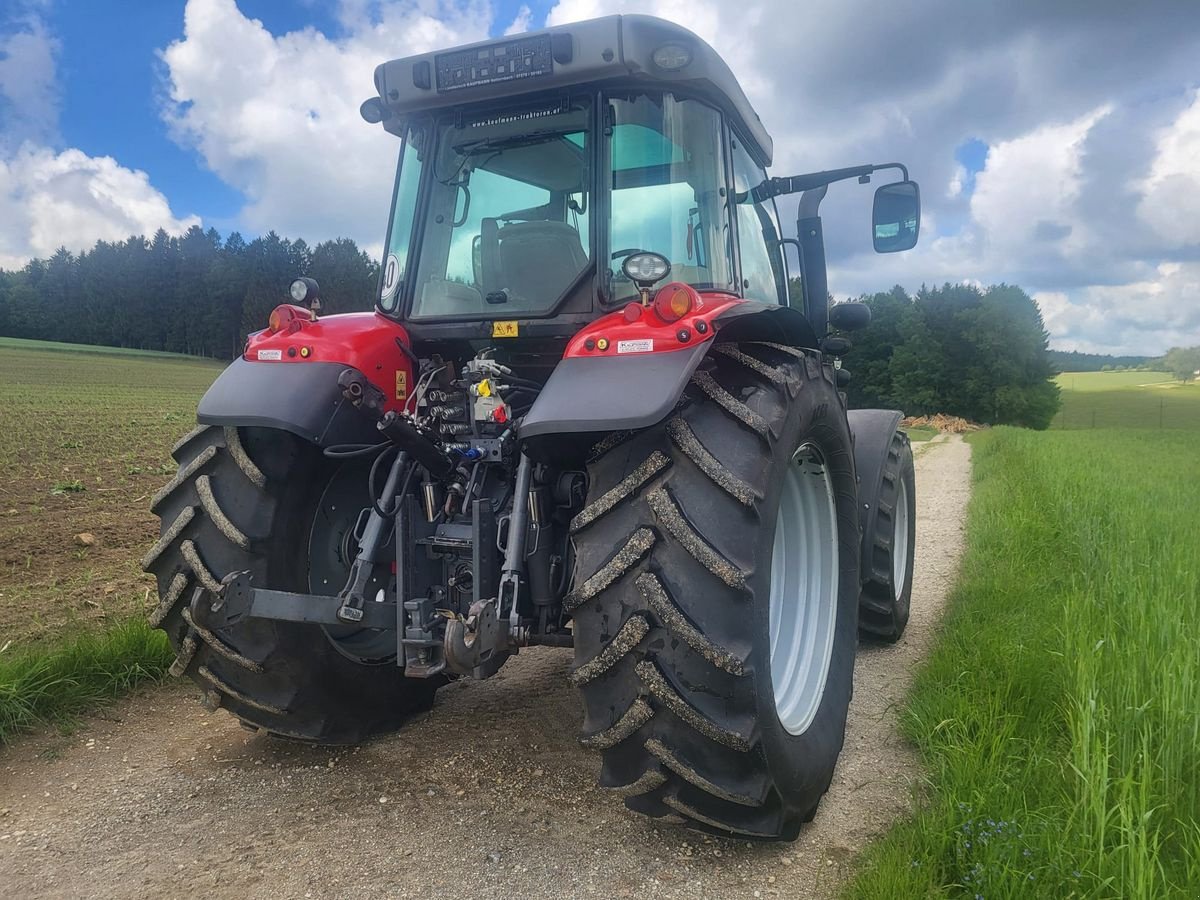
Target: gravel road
x=156 y=797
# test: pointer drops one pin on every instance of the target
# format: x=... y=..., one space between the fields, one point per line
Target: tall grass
x=39 y=685
x=1059 y=716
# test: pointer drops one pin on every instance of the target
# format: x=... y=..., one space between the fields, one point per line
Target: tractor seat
x=539 y=260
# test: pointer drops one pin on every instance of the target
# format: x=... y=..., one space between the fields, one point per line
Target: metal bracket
x=477 y=645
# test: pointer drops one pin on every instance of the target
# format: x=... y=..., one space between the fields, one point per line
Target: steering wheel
x=621 y=254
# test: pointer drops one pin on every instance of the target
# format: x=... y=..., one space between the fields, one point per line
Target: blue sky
x=1058 y=145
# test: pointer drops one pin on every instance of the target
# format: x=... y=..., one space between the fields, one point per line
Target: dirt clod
x=155 y=808
x=85 y=539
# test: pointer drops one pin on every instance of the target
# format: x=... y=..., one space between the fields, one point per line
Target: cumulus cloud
x=521 y=22
x=29 y=97
x=52 y=198
x=1142 y=317
x=277 y=116
x=69 y=199
x=1045 y=164
x=1171 y=199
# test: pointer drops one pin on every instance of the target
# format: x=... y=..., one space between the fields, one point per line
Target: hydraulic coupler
x=399 y=429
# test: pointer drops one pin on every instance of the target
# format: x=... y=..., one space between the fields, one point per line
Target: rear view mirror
x=896 y=217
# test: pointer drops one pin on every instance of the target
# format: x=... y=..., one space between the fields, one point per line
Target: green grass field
x=1127 y=400
x=85 y=444
x=1059 y=715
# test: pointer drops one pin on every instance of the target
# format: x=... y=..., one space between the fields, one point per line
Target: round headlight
x=372 y=110
x=672 y=57
x=305 y=290
x=646 y=268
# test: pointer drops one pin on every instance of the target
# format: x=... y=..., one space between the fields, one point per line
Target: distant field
x=1127 y=400
x=85 y=442
x=1107 y=381
x=10 y=343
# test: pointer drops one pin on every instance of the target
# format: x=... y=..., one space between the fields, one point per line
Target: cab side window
x=763 y=276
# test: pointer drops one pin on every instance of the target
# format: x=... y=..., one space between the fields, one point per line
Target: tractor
x=583 y=413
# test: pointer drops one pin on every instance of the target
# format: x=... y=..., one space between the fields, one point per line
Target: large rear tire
x=715 y=602
x=246 y=499
x=887 y=590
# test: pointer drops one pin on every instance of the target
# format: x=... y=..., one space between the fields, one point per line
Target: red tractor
x=584 y=413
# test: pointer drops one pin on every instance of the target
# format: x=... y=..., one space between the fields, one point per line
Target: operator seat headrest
x=539 y=260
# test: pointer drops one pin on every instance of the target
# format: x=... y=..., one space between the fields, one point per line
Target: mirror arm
x=773 y=187
x=810 y=202
x=813 y=274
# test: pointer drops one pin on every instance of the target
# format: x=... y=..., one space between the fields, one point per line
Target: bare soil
x=84 y=444
x=487 y=796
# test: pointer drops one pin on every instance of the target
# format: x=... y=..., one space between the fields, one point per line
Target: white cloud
x=51 y=198
x=69 y=199
x=1026 y=193
x=521 y=22
x=277 y=116
x=1163 y=310
x=1171 y=200
x=957 y=182
x=29 y=98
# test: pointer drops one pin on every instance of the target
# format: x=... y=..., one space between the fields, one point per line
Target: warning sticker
x=504 y=329
x=270 y=354
x=401 y=384
x=645 y=345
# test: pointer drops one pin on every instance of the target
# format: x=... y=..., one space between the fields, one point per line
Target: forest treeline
x=195 y=294
x=956 y=349
x=1074 y=361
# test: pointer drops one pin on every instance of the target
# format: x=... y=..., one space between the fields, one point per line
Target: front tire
x=677 y=564
x=246 y=500
x=887 y=588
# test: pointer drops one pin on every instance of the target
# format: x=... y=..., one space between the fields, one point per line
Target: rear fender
x=623 y=373
x=289 y=379
x=872 y=430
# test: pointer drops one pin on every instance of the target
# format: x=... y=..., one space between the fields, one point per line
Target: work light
x=646 y=268
x=672 y=57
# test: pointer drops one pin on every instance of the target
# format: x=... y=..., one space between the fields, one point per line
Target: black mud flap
x=872 y=430
x=612 y=393
x=303 y=398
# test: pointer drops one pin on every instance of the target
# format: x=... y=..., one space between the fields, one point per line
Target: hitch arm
x=240 y=599
x=353 y=595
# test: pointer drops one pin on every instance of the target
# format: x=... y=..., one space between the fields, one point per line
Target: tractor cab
x=538 y=176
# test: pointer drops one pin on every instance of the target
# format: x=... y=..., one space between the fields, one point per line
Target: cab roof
x=618 y=49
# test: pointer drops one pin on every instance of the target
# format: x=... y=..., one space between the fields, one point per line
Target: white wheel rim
x=804 y=590
x=900 y=540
